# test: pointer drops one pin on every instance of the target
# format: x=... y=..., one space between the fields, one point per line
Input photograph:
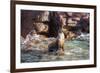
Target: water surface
x=74 y=50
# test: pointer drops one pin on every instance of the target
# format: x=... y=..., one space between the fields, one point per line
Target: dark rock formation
x=48 y=22
x=56 y=22
x=53 y=24
x=78 y=21
x=26 y=22
x=33 y=20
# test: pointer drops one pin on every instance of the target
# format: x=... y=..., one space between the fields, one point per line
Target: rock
x=47 y=21
x=41 y=16
x=76 y=18
x=57 y=21
x=40 y=27
x=28 y=17
x=26 y=22
x=70 y=35
x=70 y=21
x=44 y=16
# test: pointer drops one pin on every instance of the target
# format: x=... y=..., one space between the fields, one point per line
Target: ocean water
x=77 y=49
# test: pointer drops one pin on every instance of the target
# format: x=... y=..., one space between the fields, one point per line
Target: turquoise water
x=74 y=50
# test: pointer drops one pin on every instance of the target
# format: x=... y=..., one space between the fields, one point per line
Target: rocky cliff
x=47 y=22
